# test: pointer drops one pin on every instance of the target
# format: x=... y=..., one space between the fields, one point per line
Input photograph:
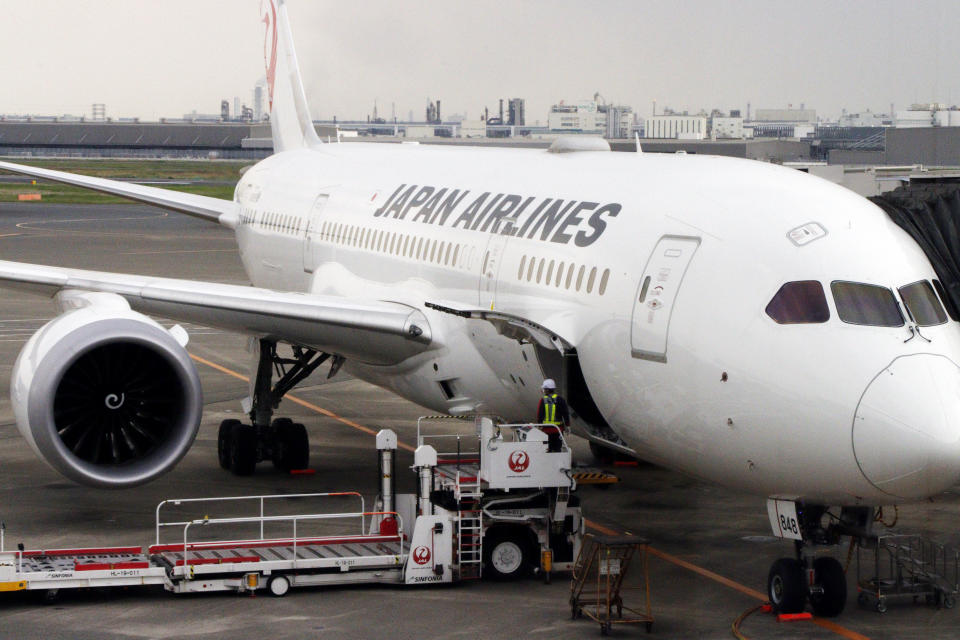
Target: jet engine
x=108 y=397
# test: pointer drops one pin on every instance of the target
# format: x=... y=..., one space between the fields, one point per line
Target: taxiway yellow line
x=296 y=400
x=716 y=577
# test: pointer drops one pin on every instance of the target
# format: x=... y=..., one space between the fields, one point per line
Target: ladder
x=468 y=492
x=470 y=542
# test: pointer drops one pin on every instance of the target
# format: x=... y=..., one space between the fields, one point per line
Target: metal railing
x=294 y=519
x=261 y=500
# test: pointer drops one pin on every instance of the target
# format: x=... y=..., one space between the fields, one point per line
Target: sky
x=165 y=58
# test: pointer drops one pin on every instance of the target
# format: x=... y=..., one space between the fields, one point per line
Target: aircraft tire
x=829 y=575
x=224 y=436
x=291 y=445
x=243 y=450
x=786 y=586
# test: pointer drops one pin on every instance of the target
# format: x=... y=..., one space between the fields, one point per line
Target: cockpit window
x=801 y=302
x=866 y=304
x=945 y=299
x=922 y=304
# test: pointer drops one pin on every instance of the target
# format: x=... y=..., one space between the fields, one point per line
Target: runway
x=712 y=547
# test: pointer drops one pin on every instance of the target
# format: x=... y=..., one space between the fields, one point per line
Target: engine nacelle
x=105 y=395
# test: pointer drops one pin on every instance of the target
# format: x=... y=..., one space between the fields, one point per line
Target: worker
x=553 y=411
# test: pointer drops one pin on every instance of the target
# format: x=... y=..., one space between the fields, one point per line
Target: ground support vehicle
x=510 y=489
x=284 y=545
x=906 y=566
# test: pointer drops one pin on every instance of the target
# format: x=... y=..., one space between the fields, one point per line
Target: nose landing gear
x=821 y=580
x=241 y=446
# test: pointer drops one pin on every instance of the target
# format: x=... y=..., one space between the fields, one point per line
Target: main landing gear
x=821 y=580
x=241 y=446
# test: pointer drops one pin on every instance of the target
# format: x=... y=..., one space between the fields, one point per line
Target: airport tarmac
x=711 y=546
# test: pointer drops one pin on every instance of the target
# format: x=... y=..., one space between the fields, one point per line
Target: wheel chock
x=790 y=617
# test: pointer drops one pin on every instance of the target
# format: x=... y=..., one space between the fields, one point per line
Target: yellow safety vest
x=550 y=410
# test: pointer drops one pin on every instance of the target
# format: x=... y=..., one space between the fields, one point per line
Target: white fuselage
x=701 y=379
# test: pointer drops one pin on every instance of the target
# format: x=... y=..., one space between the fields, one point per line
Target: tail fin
x=289 y=113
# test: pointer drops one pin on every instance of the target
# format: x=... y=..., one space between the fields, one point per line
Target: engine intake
x=107 y=397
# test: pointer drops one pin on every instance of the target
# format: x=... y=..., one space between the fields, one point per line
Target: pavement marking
x=727 y=582
x=716 y=577
x=302 y=403
x=9 y=235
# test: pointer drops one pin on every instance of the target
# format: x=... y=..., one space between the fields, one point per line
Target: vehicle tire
x=828 y=573
x=881 y=606
x=224 y=435
x=786 y=586
x=949 y=601
x=243 y=450
x=507 y=554
x=291 y=445
x=278 y=586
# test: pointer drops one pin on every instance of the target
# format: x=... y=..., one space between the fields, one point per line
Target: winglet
x=289 y=112
x=637 y=138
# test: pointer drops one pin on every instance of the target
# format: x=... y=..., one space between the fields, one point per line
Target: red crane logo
x=421 y=555
x=519 y=461
x=269 y=11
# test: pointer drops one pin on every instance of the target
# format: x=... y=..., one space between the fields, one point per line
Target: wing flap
x=375 y=332
x=213 y=209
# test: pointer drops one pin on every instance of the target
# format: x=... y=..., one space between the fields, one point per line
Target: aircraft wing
x=212 y=209
x=369 y=331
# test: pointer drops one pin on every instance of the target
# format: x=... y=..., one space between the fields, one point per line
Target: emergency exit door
x=490 y=270
x=311 y=239
x=657 y=294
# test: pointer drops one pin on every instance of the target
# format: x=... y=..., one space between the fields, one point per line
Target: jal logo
x=421 y=555
x=268 y=12
x=519 y=461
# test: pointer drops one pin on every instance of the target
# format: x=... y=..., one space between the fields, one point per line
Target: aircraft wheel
x=828 y=573
x=243 y=450
x=786 y=586
x=279 y=586
x=224 y=436
x=291 y=445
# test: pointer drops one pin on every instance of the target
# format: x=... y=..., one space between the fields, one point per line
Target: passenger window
x=866 y=304
x=603 y=281
x=922 y=304
x=801 y=302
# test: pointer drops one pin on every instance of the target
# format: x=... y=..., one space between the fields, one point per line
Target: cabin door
x=656 y=295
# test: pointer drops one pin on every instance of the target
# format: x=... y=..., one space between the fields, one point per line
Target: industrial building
x=611 y=121
x=677 y=127
x=134 y=139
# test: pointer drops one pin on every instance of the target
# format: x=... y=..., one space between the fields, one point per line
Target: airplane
x=740 y=322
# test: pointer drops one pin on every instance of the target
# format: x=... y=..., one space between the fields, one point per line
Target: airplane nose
x=906 y=432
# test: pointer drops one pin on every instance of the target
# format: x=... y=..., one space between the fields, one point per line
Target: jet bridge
x=929 y=210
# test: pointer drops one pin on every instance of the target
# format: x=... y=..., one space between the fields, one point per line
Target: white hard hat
x=549 y=384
